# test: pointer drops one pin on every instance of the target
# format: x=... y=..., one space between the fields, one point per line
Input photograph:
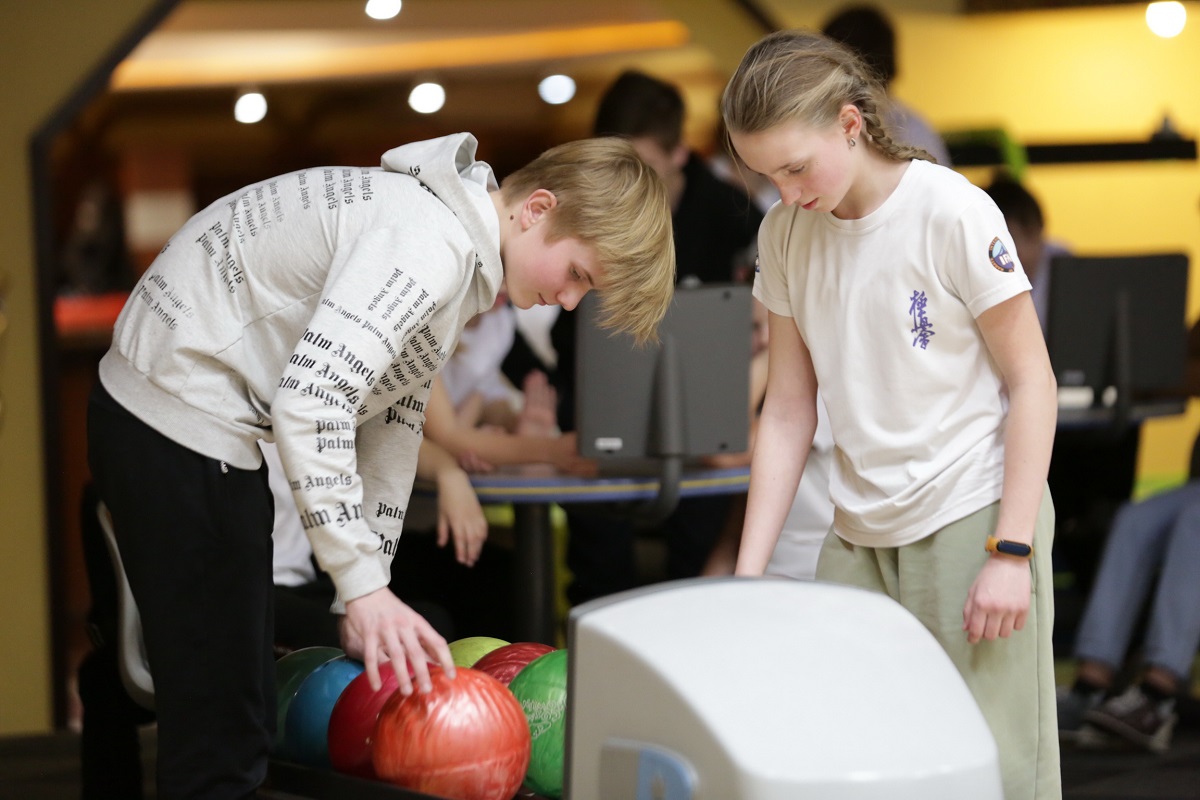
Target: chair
x=131 y=649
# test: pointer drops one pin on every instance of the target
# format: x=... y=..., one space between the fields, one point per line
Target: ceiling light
x=251 y=107
x=383 y=9
x=556 y=89
x=1166 y=19
x=426 y=98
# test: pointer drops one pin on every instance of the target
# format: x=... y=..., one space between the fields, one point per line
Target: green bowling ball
x=541 y=687
x=466 y=652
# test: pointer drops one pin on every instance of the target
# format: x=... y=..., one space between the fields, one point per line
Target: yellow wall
x=46 y=48
x=1081 y=75
x=1086 y=75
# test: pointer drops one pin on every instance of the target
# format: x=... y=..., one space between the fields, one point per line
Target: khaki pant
x=1012 y=679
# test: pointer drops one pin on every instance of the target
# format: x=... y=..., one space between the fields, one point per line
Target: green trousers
x=1011 y=679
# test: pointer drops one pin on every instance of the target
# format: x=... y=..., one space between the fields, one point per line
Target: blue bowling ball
x=305 y=739
x=290 y=671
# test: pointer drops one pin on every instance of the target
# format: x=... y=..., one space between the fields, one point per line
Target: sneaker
x=1136 y=718
x=1073 y=704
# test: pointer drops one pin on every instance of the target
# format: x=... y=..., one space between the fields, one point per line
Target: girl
x=892 y=284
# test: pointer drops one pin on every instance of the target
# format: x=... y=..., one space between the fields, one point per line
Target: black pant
x=195 y=538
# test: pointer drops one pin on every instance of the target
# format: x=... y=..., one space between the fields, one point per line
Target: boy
x=314 y=309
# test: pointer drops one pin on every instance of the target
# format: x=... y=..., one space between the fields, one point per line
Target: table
x=1093 y=417
x=531 y=491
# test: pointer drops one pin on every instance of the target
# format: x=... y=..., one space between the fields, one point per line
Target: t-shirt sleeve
x=980 y=261
x=770 y=269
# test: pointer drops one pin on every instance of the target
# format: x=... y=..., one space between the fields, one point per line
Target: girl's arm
x=785 y=434
x=998 y=601
x=459 y=512
x=497 y=448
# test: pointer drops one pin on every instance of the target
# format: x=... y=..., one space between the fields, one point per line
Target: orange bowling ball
x=465 y=739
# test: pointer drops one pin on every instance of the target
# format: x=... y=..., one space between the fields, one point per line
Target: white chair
x=131 y=649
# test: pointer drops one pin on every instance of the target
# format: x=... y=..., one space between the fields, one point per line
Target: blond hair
x=802 y=76
x=610 y=200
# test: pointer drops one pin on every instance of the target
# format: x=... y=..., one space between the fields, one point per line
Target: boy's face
x=538 y=272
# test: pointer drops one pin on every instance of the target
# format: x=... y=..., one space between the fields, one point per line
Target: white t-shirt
x=475 y=364
x=886 y=305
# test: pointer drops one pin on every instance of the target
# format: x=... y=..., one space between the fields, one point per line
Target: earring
x=852 y=142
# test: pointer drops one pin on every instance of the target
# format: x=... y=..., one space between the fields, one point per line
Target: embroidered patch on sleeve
x=999 y=256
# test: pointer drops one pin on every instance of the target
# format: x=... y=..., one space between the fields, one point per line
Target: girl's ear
x=850 y=121
x=536 y=205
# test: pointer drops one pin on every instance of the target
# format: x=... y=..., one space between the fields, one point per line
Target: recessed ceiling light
x=1166 y=19
x=426 y=98
x=556 y=89
x=251 y=107
x=383 y=9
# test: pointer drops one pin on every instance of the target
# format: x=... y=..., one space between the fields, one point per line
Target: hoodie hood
x=447 y=168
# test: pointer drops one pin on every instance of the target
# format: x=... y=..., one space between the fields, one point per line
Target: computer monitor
x=1119 y=322
x=706 y=337
x=654 y=408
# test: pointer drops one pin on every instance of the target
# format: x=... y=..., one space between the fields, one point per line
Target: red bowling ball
x=466 y=739
x=352 y=722
x=504 y=664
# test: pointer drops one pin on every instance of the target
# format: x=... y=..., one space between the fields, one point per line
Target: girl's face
x=811 y=167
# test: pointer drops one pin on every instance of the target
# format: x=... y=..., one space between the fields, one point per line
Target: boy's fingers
x=371 y=663
x=397 y=654
x=416 y=657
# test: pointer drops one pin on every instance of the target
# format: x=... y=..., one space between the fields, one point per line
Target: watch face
x=1013 y=548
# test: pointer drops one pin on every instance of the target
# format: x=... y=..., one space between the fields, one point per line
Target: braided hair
x=802 y=76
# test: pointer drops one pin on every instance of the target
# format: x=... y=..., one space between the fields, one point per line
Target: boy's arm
x=786 y=427
x=998 y=601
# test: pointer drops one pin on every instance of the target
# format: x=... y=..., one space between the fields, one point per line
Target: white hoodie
x=313 y=309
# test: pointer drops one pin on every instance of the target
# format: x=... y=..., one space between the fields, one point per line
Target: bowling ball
x=465 y=739
x=352 y=722
x=504 y=663
x=305 y=739
x=290 y=672
x=541 y=688
x=466 y=652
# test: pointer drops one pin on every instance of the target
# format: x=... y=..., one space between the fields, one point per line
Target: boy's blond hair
x=610 y=200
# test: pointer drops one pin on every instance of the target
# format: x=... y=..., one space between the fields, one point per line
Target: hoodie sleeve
x=349 y=409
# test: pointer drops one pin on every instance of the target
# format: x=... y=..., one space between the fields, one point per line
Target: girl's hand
x=460 y=516
x=998 y=601
x=566 y=458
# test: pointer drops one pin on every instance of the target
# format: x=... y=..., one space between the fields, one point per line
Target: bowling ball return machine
x=759 y=689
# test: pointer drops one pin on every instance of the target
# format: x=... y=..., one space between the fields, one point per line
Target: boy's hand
x=998 y=601
x=378 y=626
x=460 y=516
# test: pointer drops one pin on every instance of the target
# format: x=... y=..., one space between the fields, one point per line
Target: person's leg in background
x=195 y=538
x=600 y=553
x=693 y=531
x=1134 y=552
x=1145 y=713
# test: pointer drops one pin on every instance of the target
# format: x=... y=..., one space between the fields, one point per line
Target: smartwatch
x=1005 y=547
